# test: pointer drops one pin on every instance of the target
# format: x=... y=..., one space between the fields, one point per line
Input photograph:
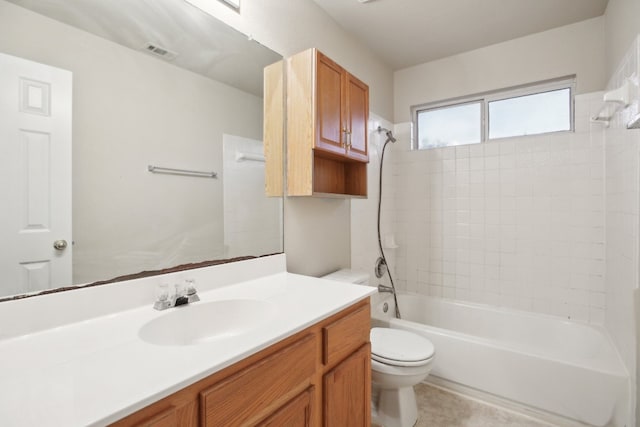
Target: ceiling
x=202 y=43
x=403 y=33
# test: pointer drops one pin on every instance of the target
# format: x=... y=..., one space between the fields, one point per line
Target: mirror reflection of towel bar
x=171 y=171
x=256 y=157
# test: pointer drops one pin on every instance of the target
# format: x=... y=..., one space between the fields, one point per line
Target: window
x=530 y=110
x=530 y=114
x=447 y=126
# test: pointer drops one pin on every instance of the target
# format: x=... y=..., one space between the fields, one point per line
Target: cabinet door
x=357 y=117
x=296 y=413
x=347 y=391
x=330 y=93
x=166 y=418
x=260 y=389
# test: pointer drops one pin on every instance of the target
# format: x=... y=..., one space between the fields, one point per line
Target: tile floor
x=440 y=408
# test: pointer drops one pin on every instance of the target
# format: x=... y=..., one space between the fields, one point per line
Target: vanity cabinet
x=327 y=110
x=320 y=376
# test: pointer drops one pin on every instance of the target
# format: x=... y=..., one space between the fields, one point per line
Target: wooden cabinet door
x=347 y=391
x=330 y=93
x=260 y=389
x=296 y=413
x=357 y=106
x=166 y=418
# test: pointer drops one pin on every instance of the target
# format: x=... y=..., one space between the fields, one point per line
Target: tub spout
x=383 y=288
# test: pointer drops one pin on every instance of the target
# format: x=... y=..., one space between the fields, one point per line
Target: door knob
x=60 y=245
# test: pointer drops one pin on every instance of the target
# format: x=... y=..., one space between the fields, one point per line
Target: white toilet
x=399 y=360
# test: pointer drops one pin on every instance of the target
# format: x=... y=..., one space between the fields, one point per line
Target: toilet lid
x=400 y=348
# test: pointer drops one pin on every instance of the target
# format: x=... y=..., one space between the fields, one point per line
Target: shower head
x=388 y=133
x=390 y=136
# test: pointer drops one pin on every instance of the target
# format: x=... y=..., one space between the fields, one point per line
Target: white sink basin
x=204 y=322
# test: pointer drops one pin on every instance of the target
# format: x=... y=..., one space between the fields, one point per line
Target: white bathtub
x=560 y=367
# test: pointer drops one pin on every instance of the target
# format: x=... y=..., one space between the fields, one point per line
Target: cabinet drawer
x=256 y=391
x=345 y=335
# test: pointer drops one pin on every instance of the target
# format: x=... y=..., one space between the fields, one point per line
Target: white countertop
x=97 y=371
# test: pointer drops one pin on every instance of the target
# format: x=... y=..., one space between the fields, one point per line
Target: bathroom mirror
x=153 y=83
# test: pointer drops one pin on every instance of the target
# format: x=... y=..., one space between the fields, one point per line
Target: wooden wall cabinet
x=320 y=376
x=327 y=110
x=342 y=110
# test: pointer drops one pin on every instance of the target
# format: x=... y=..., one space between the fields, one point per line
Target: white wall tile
x=504 y=219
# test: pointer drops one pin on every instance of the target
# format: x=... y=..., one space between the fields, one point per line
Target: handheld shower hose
x=389 y=139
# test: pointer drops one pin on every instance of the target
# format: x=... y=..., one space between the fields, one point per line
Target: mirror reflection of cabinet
x=326 y=114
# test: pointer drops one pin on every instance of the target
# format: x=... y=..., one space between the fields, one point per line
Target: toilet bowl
x=399 y=360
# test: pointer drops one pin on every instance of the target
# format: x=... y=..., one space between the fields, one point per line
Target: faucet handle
x=179 y=290
x=162 y=293
x=162 y=300
x=190 y=287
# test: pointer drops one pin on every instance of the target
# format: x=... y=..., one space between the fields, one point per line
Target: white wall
x=317 y=232
x=622 y=25
x=135 y=110
x=572 y=49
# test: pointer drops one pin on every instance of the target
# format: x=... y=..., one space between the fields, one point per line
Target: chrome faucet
x=383 y=288
x=181 y=296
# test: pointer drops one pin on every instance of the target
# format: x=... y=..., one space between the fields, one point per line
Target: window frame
x=484 y=98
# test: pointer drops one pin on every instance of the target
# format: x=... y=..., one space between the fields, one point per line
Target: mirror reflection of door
x=35 y=165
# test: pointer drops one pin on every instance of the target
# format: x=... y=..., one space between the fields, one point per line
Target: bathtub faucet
x=383 y=288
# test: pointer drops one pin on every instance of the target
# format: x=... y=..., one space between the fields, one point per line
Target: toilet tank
x=348 y=276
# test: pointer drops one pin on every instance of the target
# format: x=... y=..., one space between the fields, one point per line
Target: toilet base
x=394 y=407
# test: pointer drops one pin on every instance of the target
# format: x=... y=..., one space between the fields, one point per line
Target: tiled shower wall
x=517 y=222
x=623 y=217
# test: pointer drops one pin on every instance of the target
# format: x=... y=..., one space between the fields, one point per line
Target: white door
x=35 y=166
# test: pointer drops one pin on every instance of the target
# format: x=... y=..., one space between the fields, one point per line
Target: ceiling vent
x=160 y=51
